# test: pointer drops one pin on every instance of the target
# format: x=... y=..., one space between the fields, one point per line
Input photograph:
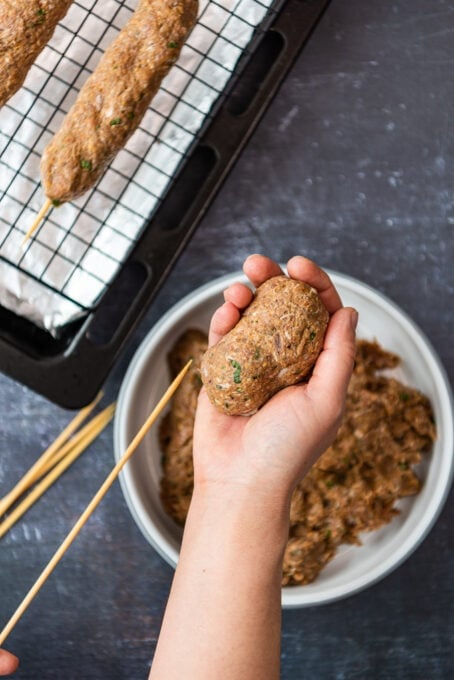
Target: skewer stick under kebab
x=26 y=26
x=37 y=221
x=97 y=498
x=114 y=99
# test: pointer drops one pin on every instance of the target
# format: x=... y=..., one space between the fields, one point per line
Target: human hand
x=8 y=662
x=274 y=448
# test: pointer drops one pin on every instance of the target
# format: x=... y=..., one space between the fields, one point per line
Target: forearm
x=224 y=611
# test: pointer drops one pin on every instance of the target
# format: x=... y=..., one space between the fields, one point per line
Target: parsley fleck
x=56 y=202
x=404 y=396
x=115 y=121
x=172 y=45
x=237 y=371
x=312 y=335
x=41 y=14
x=85 y=165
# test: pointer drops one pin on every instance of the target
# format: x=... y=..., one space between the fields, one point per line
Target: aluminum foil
x=62 y=272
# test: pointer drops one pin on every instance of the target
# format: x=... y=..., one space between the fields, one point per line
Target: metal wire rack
x=146 y=202
x=79 y=250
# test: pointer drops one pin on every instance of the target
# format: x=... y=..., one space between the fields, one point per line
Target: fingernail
x=354 y=318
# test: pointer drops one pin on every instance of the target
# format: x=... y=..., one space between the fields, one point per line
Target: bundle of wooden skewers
x=62 y=453
x=51 y=465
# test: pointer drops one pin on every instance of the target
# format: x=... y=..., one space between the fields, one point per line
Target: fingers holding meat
x=237 y=296
x=273 y=345
x=303 y=268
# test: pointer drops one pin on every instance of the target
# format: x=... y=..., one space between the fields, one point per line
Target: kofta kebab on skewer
x=114 y=99
x=26 y=27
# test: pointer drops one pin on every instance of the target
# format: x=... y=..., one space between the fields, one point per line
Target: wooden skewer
x=93 y=426
x=34 y=473
x=97 y=498
x=47 y=206
x=92 y=430
x=69 y=452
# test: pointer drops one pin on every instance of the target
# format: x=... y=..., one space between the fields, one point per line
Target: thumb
x=8 y=662
x=333 y=369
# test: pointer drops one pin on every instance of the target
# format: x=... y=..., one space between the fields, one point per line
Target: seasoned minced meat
x=25 y=29
x=175 y=432
x=275 y=344
x=353 y=487
x=115 y=98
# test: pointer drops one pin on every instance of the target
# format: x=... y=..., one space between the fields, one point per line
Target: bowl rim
x=291 y=595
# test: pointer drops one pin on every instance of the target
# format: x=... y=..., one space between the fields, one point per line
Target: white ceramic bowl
x=353 y=568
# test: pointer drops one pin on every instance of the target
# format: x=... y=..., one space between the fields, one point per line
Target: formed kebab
x=275 y=344
x=26 y=26
x=114 y=99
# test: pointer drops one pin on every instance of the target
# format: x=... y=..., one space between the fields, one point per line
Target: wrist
x=258 y=517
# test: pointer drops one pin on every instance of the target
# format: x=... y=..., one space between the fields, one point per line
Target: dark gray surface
x=353 y=166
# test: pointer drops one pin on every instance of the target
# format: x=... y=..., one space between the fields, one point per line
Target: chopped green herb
x=130 y=115
x=403 y=466
x=237 y=371
x=172 y=45
x=85 y=165
x=219 y=387
x=56 y=202
x=115 y=121
x=257 y=353
x=312 y=335
x=328 y=534
x=404 y=396
x=41 y=14
x=330 y=483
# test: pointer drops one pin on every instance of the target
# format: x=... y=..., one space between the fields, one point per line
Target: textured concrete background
x=353 y=166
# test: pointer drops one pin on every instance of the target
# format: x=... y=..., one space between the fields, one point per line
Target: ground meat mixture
x=386 y=429
x=175 y=432
x=26 y=26
x=275 y=344
x=114 y=99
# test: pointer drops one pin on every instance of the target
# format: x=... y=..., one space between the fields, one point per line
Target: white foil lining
x=64 y=270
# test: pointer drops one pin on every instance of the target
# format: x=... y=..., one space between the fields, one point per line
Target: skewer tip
x=37 y=221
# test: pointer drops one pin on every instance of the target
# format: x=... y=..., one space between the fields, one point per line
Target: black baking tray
x=71 y=369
